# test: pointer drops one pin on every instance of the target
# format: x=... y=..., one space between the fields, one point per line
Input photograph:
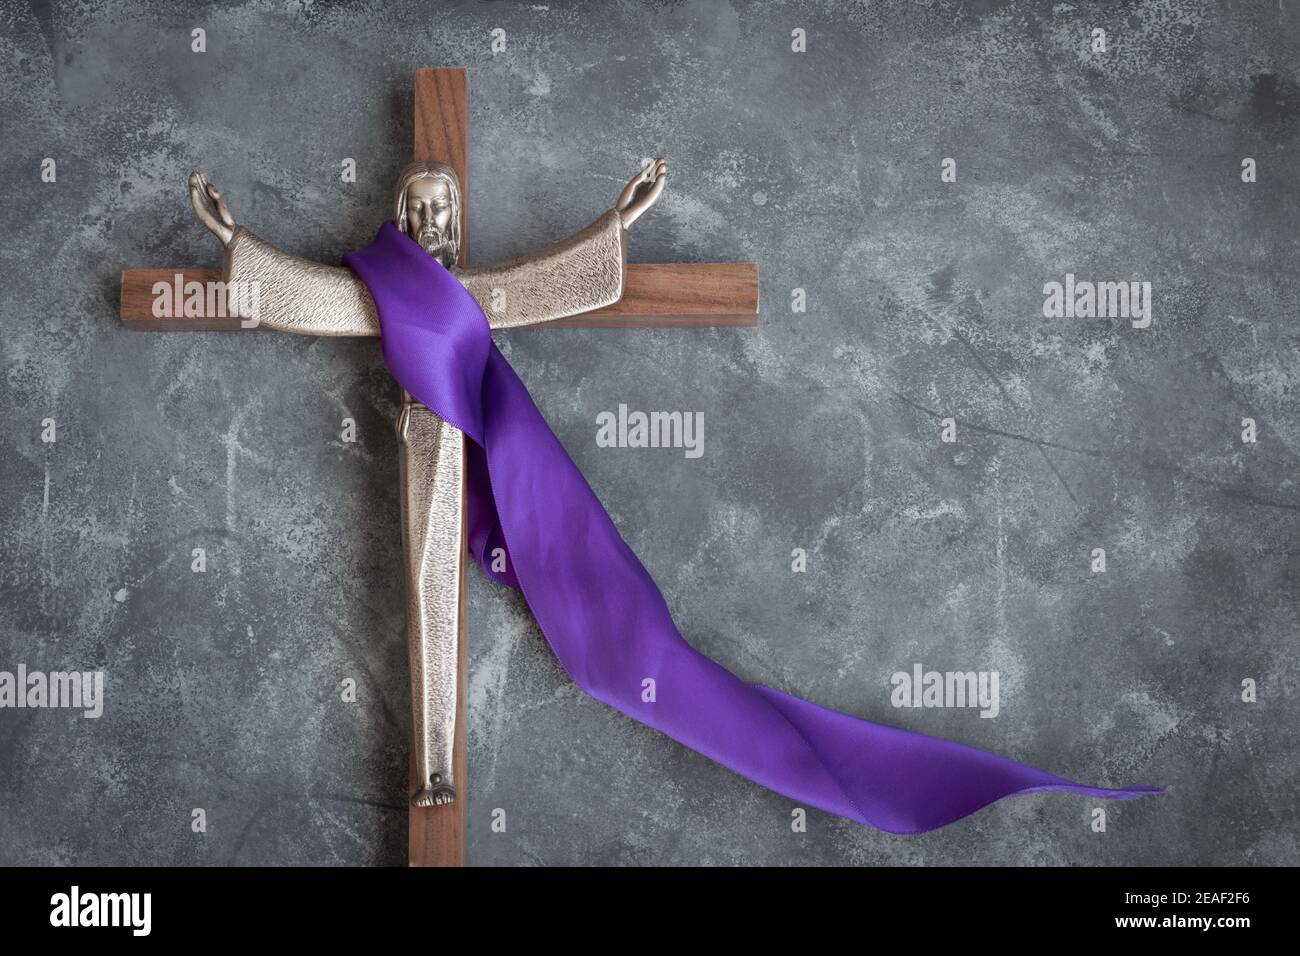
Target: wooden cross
x=658 y=295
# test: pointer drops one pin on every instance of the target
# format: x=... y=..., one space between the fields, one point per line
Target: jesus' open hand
x=640 y=194
x=210 y=206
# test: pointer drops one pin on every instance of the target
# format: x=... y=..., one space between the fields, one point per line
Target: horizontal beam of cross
x=676 y=294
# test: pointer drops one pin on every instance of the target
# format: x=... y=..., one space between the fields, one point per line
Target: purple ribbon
x=602 y=613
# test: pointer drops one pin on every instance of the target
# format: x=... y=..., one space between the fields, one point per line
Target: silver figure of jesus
x=583 y=272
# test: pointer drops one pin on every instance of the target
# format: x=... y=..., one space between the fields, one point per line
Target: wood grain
x=690 y=295
x=442 y=131
x=137 y=299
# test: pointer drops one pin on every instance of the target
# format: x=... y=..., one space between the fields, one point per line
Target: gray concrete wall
x=924 y=301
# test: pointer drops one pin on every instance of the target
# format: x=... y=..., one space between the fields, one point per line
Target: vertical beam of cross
x=442 y=131
x=436 y=835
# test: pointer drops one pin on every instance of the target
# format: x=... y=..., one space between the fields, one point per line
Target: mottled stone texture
x=822 y=429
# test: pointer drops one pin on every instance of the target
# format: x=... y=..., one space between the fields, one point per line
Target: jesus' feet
x=436 y=794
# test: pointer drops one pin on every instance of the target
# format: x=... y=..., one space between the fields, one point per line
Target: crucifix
x=582 y=281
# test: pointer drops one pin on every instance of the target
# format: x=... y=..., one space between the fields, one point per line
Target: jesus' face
x=429 y=212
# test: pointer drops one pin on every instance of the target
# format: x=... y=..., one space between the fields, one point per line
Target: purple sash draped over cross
x=602 y=613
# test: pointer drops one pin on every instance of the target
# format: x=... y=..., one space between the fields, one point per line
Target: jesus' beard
x=432 y=241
